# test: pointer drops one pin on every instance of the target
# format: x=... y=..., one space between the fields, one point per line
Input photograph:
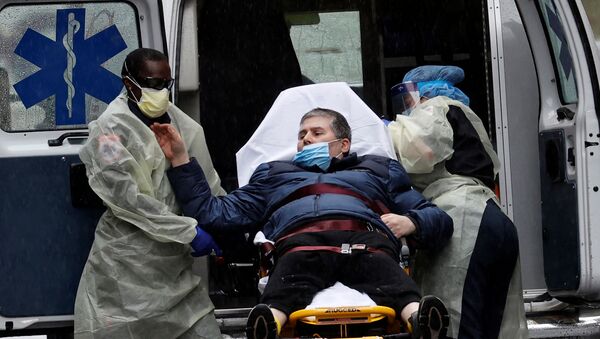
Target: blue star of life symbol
x=564 y=56
x=70 y=67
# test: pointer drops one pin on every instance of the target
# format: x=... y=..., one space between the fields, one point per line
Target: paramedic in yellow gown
x=445 y=149
x=138 y=280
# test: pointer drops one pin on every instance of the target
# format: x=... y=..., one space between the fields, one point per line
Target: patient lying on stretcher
x=324 y=211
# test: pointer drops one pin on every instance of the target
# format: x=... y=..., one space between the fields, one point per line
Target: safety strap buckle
x=405 y=255
x=345 y=249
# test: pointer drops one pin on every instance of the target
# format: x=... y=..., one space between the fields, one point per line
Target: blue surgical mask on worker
x=315 y=154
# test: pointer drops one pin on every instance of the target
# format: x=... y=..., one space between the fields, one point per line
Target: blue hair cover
x=434 y=81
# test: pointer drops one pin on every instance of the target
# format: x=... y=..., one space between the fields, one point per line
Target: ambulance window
x=327 y=46
x=592 y=10
x=60 y=64
x=563 y=61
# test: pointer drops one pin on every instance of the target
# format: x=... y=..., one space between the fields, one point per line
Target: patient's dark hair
x=136 y=59
x=339 y=124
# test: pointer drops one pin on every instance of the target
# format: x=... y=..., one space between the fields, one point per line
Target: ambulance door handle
x=564 y=113
x=571 y=156
x=59 y=141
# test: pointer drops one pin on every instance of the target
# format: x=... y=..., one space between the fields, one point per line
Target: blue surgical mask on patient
x=314 y=154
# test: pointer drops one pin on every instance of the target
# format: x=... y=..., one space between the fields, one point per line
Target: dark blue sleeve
x=240 y=210
x=434 y=226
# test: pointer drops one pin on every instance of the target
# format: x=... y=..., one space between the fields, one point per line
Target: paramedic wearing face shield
x=444 y=147
x=138 y=280
x=405 y=96
x=314 y=207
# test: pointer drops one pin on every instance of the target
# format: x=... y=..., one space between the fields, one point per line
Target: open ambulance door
x=561 y=35
x=60 y=65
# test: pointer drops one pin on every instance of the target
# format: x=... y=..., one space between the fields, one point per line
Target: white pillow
x=277 y=135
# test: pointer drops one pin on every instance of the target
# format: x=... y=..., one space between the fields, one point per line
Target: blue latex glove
x=385 y=121
x=204 y=244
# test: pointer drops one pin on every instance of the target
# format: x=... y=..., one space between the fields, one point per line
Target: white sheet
x=340 y=295
x=276 y=137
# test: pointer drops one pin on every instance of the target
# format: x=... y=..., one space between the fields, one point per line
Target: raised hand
x=171 y=143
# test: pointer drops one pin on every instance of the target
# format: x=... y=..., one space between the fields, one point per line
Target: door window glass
x=592 y=10
x=60 y=64
x=560 y=51
x=328 y=47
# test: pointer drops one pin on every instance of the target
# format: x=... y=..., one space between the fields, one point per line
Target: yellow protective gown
x=138 y=280
x=423 y=142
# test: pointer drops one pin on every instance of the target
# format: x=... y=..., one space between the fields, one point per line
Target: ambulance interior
x=248 y=52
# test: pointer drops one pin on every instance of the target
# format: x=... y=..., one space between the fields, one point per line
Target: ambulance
x=532 y=73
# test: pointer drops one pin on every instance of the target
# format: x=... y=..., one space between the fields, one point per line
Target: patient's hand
x=171 y=144
x=400 y=225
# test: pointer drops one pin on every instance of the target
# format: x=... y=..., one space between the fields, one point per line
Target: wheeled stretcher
x=275 y=139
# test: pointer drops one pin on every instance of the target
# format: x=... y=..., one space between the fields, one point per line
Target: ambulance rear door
x=563 y=41
x=60 y=65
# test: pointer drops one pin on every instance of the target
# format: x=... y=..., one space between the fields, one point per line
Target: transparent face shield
x=405 y=96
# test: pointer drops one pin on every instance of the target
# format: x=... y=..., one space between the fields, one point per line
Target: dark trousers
x=298 y=276
x=488 y=276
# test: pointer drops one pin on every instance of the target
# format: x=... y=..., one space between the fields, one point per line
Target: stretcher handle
x=343 y=312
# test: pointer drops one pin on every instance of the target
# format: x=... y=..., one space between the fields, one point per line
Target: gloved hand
x=204 y=244
x=385 y=121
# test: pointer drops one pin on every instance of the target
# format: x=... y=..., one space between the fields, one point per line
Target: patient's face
x=314 y=130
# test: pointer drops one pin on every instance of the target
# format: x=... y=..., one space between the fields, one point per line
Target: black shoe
x=432 y=319
x=261 y=323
